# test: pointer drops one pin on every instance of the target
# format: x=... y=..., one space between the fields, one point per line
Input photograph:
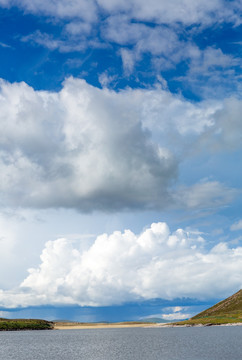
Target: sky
x=120 y=157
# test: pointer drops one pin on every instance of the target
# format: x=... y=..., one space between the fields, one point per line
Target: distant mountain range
x=154 y=320
x=227 y=311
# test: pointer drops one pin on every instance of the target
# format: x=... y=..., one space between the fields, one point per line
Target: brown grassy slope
x=230 y=306
x=227 y=311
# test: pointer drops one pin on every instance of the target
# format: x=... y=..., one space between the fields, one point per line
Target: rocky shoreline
x=196 y=325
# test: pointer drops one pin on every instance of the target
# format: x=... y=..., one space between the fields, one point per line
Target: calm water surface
x=222 y=343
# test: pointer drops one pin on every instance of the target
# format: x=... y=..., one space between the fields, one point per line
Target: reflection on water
x=222 y=343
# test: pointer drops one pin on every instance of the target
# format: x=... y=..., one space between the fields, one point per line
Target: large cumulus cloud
x=125 y=267
x=81 y=147
x=90 y=148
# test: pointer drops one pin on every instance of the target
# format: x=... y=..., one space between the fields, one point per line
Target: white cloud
x=119 y=29
x=5 y=45
x=163 y=111
x=165 y=42
x=207 y=194
x=185 y=11
x=236 y=226
x=176 y=313
x=82 y=147
x=214 y=69
x=126 y=267
x=209 y=59
x=61 y=44
x=78 y=27
x=175 y=316
x=128 y=60
x=226 y=131
x=209 y=66
x=90 y=148
x=106 y=79
x=84 y=9
x=161 y=42
x=175 y=11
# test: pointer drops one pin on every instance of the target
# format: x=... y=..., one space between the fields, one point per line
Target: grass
x=228 y=311
x=210 y=320
x=25 y=324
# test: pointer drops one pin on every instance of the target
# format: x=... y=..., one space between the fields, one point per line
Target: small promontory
x=25 y=324
x=228 y=311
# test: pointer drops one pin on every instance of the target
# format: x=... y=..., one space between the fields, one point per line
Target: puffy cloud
x=90 y=148
x=176 y=316
x=82 y=147
x=174 y=313
x=125 y=267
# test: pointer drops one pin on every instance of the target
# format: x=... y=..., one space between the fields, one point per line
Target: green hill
x=24 y=324
x=225 y=312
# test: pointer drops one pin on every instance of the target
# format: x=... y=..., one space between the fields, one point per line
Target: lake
x=222 y=343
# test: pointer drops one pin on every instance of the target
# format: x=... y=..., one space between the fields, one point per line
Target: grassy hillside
x=24 y=324
x=225 y=312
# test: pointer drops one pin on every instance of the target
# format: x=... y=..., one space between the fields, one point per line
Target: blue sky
x=120 y=156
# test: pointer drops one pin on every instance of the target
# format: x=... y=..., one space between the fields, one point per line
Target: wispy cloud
x=3 y=45
x=236 y=226
x=186 y=12
x=162 y=34
x=52 y=43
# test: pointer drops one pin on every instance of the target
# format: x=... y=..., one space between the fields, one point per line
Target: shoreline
x=86 y=326
x=76 y=326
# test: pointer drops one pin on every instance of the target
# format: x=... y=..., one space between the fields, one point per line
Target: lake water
x=222 y=343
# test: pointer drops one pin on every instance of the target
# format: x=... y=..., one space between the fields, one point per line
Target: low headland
x=25 y=324
x=226 y=312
